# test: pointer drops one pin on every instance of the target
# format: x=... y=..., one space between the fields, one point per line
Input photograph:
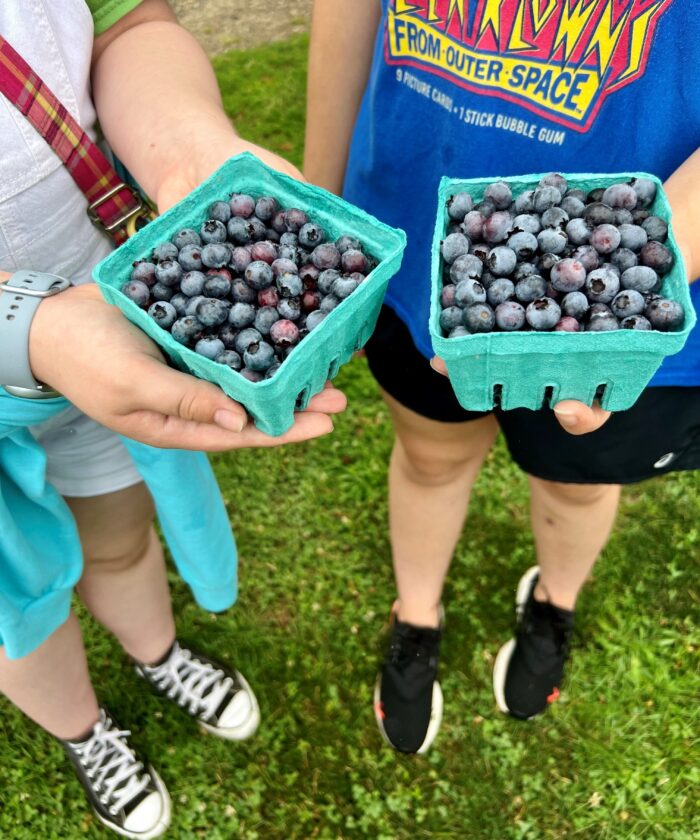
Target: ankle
x=557 y=598
x=418 y=615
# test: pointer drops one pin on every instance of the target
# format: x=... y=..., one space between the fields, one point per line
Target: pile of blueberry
x=556 y=259
x=247 y=287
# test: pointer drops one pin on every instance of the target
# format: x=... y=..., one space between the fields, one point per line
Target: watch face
x=41 y=392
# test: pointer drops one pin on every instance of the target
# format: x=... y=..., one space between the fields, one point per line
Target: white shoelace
x=111 y=765
x=193 y=684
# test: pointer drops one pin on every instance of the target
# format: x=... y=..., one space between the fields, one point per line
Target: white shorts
x=84 y=458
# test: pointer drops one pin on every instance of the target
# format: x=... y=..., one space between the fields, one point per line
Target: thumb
x=166 y=391
x=580 y=419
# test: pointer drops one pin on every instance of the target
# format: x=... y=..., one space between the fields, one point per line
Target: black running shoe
x=407 y=695
x=529 y=668
x=218 y=697
x=127 y=796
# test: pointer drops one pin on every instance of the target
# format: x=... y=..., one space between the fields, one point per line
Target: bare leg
x=431 y=473
x=124 y=584
x=52 y=685
x=571 y=524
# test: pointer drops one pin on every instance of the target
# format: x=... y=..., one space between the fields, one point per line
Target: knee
x=119 y=553
x=432 y=465
x=578 y=495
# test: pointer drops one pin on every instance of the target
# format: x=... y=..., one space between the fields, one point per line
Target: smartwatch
x=20 y=297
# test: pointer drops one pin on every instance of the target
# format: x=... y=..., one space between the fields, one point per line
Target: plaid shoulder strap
x=112 y=204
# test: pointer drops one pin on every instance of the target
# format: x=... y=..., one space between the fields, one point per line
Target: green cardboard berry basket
x=536 y=369
x=272 y=402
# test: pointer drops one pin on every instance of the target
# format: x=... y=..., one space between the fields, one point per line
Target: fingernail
x=229 y=420
x=569 y=417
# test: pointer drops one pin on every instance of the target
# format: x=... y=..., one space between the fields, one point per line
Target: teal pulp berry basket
x=536 y=369
x=272 y=402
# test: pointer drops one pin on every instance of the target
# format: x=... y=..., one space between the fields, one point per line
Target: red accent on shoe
x=379 y=709
x=554 y=696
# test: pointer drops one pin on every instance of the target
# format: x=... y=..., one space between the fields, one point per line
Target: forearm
x=683 y=190
x=156 y=95
x=340 y=57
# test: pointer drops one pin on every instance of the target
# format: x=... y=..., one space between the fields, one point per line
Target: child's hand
x=573 y=416
x=89 y=352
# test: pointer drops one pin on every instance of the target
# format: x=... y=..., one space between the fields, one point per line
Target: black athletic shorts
x=659 y=434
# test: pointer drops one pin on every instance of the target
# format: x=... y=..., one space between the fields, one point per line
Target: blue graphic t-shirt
x=486 y=88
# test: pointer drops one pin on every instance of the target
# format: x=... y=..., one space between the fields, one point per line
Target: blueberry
x=192 y=283
x=193 y=303
x=179 y=303
x=228 y=334
x=352 y=261
x=284 y=266
x=524 y=202
x=268 y=297
x=510 y=316
x=656 y=229
x=545 y=197
x=578 y=232
x=186 y=236
x=622 y=217
x=311 y=235
x=458 y=332
x=326 y=280
x=595 y=196
x=468 y=292
x=447 y=295
x=163 y=313
x=653 y=254
x=450 y=318
x=501 y=261
x=295 y=219
x=640 y=278
x=266 y=207
x=466 y=267
x=168 y=272
x=212 y=312
x=499 y=192
x=627 y=302
x=602 y=285
x=497 y=227
x=185 y=329
x=347 y=243
x=620 y=195
x=272 y=370
x=575 y=305
x=555 y=217
x=640 y=216
x=453 y=246
x=137 y=292
x=567 y=324
x=473 y=225
x=573 y=206
x=265 y=318
x=240 y=230
x=632 y=237
x=252 y=375
x=326 y=256
x=162 y=292
x=259 y=356
x=527 y=223
x=344 y=287
x=210 y=347
x=479 y=318
x=645 y=190
x=242 y=205
x=523 y=244
x=278 y=223
x=313 y=319
x=309 y=274
x=602 y=323
x=546 y=262
x=217 y=286
x=245 y=338
x=215 y=255
x=480 y=250
x=284 y=333
x=543 y=314
x=486 y=207
x=554 y=179
x=241 y=315
x=289 y=240
x=241 y=292
x=264 y=251
x=290 y=308
x=500 y=291
x=623 y=259
x=190 y=258
x=213 y=231
x=289 y=285
x=487 y=279
x=605 y=238
x=523 y=270
x=576 y=192
x=665 y=315
x=568 y=275
x=220 y=211
x=635 y=322
x=310 y=300
x=530 y=288
x=229 y=358
x=165 y=251
x=259 y=275
x=459 y=205
x=552 y=240
x=598 y=214
x=587 y=256
x=144 y=272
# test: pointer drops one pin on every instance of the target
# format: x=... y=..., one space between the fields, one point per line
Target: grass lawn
x=616 y=759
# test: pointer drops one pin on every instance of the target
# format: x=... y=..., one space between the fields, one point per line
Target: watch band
x=20 y=296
